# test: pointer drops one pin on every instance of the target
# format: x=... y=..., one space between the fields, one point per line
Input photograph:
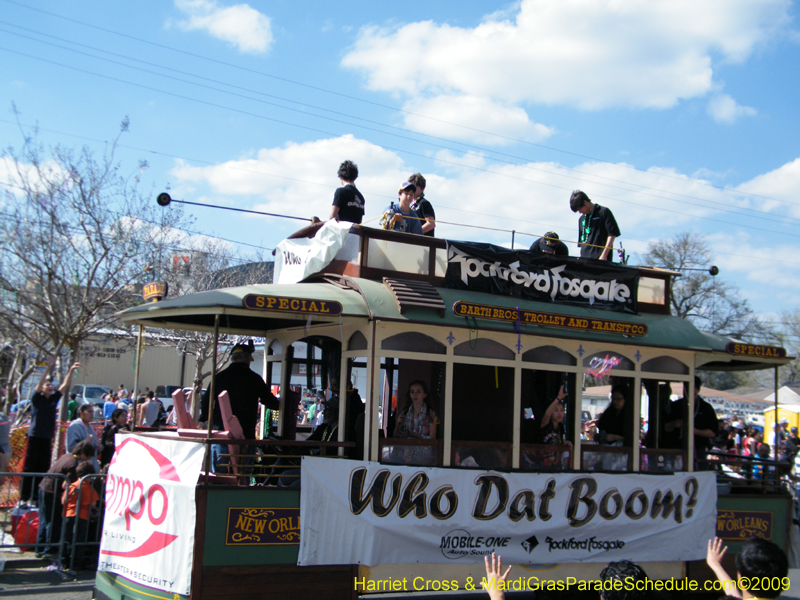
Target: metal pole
x=212 y=392
x=775 y=450
x=139 y=349
x=512 y=238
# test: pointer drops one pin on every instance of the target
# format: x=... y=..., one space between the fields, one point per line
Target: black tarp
x=480 y=267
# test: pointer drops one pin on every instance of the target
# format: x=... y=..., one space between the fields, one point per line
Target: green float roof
x=366 y=299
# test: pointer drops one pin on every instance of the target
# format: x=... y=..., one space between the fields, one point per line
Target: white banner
x=148 y=531
x=367 y=513
x=298 y=258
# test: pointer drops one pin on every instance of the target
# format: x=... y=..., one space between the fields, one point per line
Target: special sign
x=385 y=514
x=755 y=350
x=532 y=317
x=304 y=306
x=263 y=527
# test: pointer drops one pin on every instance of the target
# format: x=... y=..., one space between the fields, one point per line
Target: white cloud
x=299 y=179
x=589 y=54
x=491 y=200
x=776 y=191
x=47 y=179
x=240 y=25
x=467 y=188
x=724 y=109
x=480 y=120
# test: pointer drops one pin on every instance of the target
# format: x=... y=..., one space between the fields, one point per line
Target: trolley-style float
x=495 y=334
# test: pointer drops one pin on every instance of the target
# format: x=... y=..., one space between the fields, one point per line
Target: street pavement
x=30 y=579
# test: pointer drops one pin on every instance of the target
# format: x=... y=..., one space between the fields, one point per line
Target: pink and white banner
x=148 y=531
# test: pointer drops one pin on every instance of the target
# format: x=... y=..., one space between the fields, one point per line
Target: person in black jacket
x=706 y=425
x=245 y=390
x=549 y=244
x=611 y=424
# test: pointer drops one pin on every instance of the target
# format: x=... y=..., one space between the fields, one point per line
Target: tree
x=75 y=237
x=788 y=336
x=707 y=301
x=199 y=265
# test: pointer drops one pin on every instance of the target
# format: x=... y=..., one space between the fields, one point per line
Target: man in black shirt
x=549 y=244
x=348 y=203
x=245 y=390
x=597 y=228
x=422 y=206
x=42 y=429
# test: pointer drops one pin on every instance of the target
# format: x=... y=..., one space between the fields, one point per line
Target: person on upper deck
x=422 y=205
x=597 y=227
x=550 y=245
x=399 y=216
x=348 y=203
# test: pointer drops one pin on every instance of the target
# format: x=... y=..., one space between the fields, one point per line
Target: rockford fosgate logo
x=460 y=542
x=588 y=545
x=547 y=282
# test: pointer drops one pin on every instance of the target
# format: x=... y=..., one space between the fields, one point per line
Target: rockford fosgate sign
x=491 y=269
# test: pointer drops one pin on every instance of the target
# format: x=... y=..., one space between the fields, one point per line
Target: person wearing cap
x=550 y=245
x=597 y=227
x=245 y=390
x=348 y=203
x=422 y=205
x=399 y=216
x=706 y=424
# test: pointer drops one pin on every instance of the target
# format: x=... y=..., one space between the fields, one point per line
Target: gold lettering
x=271 y=302
x=283 y=304
x=294 y=304
x=323 y=307
x=259 y=526
x=260 y=301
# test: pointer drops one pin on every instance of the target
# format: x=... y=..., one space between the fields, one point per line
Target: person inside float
x=611 y=424
x=417 y=420
x=613 y=428
x=553 y=432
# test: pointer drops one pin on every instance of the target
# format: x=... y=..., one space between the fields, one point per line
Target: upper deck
x=371 y=274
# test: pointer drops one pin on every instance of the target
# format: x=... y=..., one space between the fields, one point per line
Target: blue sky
x=678 y=115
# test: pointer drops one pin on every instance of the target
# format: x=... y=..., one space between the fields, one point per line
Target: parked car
x=90 y=393
x=164 y=393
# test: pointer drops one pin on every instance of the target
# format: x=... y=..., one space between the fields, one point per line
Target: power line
x=437 y=159
x=362 y=100
x=594 y=177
